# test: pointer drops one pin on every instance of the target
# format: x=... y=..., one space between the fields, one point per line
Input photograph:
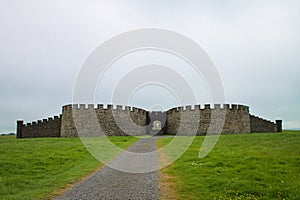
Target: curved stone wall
x=125 y=120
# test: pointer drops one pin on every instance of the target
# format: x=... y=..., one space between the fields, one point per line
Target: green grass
x=248 y=166
x=37 y=168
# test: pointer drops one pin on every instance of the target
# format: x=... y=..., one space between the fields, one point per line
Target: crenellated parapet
x=42 y=122
x=229 y=107
x=127 y=120
x=234 y=117
x=112 y=120
x=104 y=107
x=259 y=125
x=49 y=127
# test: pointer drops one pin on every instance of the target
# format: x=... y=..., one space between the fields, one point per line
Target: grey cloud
x=254 y=44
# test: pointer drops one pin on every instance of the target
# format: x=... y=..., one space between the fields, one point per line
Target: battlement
x=104 y=107
x=259 y=118
x=113 y=120
x=40 y=122
x=258 y=124
x=229 y=107
x=49 y=127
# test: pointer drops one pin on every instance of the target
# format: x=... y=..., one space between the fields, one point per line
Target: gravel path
x=109 y=183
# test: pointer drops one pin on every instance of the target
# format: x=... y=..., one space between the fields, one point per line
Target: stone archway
x=156 y=125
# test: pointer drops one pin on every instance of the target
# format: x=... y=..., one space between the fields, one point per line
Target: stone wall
x=68 y=128
x=92 y=121
x=235 y=118
x=259 y=125
x=42 y=128
x=120 y=120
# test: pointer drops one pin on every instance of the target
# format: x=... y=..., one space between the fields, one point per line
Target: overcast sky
x=255 y=46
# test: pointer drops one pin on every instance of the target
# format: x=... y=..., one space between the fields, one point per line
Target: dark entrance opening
x=156 y=123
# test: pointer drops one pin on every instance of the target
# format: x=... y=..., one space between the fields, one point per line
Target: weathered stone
x=89 y=121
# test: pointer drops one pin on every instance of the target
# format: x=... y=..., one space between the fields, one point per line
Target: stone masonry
x=88 y=120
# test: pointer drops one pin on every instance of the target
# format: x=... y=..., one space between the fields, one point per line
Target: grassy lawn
x=38 y=168
x=248 y=166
